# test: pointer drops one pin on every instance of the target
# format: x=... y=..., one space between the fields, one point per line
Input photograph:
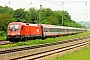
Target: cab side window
x=22 y=27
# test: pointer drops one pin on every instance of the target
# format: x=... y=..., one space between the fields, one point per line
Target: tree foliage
x=32 y=15
x=5 y=19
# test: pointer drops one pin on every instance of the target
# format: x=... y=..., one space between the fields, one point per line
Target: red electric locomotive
x=22 y=31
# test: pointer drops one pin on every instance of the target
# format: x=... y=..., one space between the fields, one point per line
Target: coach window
x=22 y=27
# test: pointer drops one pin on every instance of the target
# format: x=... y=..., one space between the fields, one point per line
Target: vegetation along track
x=42 y=50
x=4 y=42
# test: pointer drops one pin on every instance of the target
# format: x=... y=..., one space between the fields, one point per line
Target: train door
x=27 y=30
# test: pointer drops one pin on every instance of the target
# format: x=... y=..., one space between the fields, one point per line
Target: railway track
x=49 y=52
x=39 y=51
x=38 y=46
x=4 y=42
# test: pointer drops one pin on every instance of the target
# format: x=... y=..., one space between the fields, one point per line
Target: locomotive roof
x=16 y=23
x=24 y=23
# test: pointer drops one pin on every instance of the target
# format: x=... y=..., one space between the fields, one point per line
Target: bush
x=2 y=33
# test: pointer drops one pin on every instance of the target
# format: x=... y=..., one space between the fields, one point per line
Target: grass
x=47 y=40
x=83 y=54
x=2 y=37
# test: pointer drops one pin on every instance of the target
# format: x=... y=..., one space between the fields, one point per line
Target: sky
x=78 y=9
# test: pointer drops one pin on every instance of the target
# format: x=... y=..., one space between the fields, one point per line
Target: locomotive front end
x=13 y=32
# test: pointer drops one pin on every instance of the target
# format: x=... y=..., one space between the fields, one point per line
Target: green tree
x=58 y=15
x=5 y=19
x=46 y=12
x=19 y=14
x=6 y=9
x=52 y=20
x=32 y=15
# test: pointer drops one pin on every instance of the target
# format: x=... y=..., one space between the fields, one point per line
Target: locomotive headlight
x=18 y=33
x=7 y=33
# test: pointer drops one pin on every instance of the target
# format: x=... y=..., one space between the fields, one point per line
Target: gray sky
x=78 y=9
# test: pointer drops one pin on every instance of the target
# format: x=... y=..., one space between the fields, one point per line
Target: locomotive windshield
x=14 y=27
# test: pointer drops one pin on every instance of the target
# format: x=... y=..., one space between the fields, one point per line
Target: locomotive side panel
x=36 y=31
x=30 y=31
